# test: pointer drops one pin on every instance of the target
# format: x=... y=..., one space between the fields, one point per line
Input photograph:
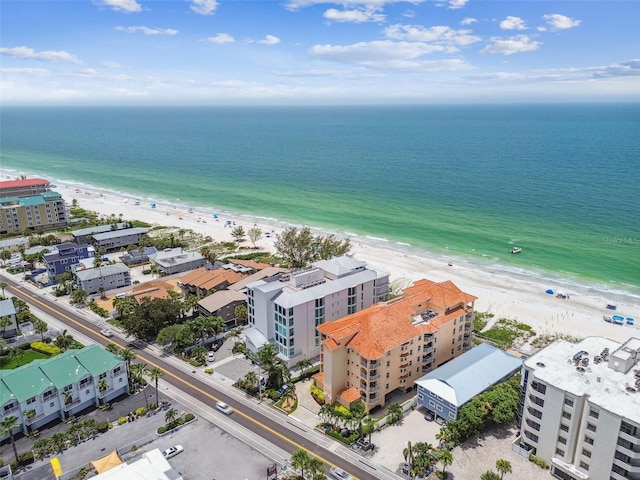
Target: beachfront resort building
x=387 y=346
x=24 y=187
x=64 y=258
x=580 y=409
x=107 y=277
x=45 y=211
x=61 y=386
x=287 y=308
x=448 y=388
x=8 y=310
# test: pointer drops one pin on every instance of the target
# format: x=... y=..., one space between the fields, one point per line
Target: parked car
x=215 y=346
x=211 y=357
x=173 y=451
x=429 y=416
x=224 y=408
x=106 y=332
x=339 y=474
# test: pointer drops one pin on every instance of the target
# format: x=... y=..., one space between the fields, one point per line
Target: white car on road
x=339 y=474
x=224 y=408
x=173 y=451
x=211 y=357
x=107 y=332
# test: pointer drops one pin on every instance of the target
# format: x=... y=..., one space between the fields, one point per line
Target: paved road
x=287 y=435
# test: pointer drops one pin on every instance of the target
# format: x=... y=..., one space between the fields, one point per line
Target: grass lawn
x=8 y=362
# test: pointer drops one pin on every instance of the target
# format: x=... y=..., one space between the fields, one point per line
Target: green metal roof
x=26 y=381
x=97 y=360
x=64 y=369
x=5 y=394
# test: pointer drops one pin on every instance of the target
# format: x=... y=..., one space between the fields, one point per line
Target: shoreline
x=505 y=293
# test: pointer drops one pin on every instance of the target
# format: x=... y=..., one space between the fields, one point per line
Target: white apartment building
x=580 y=409
x=286 y=309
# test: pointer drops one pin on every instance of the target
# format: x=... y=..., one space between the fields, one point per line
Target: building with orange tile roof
x=202 y=282
x=24 y=187
x=389 y=345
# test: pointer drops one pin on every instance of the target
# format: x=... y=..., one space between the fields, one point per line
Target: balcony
x=427 y=350
x=370 y=364
x=404 y=355
x=633 y=454
x=374 y=389
x=373 y=378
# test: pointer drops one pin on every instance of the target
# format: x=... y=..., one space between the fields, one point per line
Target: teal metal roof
x=26 y=381
x=64 y=369
x=97 y=360
x=5 y=394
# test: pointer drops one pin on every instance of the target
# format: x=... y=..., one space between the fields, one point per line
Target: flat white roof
x=606 y=387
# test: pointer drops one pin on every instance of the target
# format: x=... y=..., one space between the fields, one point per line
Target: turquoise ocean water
x=560 y=181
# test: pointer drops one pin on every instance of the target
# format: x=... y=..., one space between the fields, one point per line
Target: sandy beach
x=519 y=297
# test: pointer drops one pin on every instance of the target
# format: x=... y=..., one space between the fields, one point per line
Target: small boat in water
x=516 y=250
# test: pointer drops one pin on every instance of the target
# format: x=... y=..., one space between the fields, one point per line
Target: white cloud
x=221 y=38
x=269 y=40
x=387 y=54
x=513 y=23
x=509 y=46
x=561 y=22
x=455 y=4
x=44 y=56
x=468 y=21
x=350 y=4
x=28 y=72
x=441 y=35
x=127 y=6
x=204 y=7
x=148 y=31
x=354 y=16
x=111 y=65
x=88 y=72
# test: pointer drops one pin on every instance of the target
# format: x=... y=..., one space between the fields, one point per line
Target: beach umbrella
x=550 y=292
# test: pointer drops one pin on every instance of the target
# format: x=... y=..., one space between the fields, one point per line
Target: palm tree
x=171 y=416
x=503 y=466
x=138 y=370
x=489 y=475
x=8 y=425
x=302 y=367
x=446 y=458
x=2 y=287
x=102 y=387
x=235 y=334
x=250 y=380
x=369 y=425
x=315 y=468
x=358 y=412
x=59 y=441
x=28 y=415
x=300 y=460
x=127 y=355
x=17 y=353
x=267 y=357
x=155 y=374
x=41 y=327
x=4 y=323
x=395 y=413
x=64 y=340
x=113 y=348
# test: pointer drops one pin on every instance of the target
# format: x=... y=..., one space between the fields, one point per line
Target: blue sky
x=305 y=52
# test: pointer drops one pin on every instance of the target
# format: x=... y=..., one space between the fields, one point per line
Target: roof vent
x=540 y=364
x=598 y=379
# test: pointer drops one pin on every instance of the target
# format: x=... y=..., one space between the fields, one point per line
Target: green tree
x=5 y=255
x=170 y=416
x=503 y=466
x=102 y=387
x=177 y=336
x=303 y=367
x=358 y=413
x=149 y=317
x=395 y=413
x=59 y=441
x=127 y=355
x=213 y=251
x=138 y=370
x=254 y=235
x=299 y=248
x=238 y=233
x=78 y=296
x=41 y=327
x=113 y=348
x=489 y=475
x=446 y=458
x=242 y=314
x=8 y=425
x=29 y=415
x=64 y=340
x=2 y=287
x=156 y=374
x=17 y=354
x=300 y=460
x=315 y=468
x=5 y=322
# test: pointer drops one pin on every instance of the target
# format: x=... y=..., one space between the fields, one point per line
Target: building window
x=586 y=453
x=566 y=415
x=562 y=440
x=439 y=408
x=452 y=416
x=568 y=402
x=628 y=428
x=102 y=376
x=31 y=400
x=594 y=413
x=584 y=466
x=560 y=452
x=564 y=428
x=432 y=403
x=588 y=440
x=591 y=427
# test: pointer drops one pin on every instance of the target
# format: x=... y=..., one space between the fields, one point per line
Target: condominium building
x=387 y=346
x=45 y=211
x=61 y=386
x=287 y=308
x=26 y=187
x=118 y=239
x=177 y=260
x=109 y=277
x=580 y=409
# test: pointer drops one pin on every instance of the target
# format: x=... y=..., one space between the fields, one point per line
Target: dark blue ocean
x=560 y=181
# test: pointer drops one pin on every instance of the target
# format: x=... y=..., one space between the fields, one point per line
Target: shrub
x=122 y=420
x=538 y=461
x=140 y=412
x=134 y=448
x=188 y=417
x=103 y=426
x=97 y=309
x=208 y=371
x=26 y=458
x=162 y=430
x=47 y=349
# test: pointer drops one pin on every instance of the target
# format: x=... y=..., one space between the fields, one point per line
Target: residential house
x=61 y=386
x=202 y=282
x=287 y=308
x=109 y=277
x=222 y=304
x=138 y=256
x=117 y=239
x=449 y=387
x=64 y=258
x=387 y=346
x=84 y=235
x=27 y=187
x=45 y=211
x=177 y=260
x=244 y=266
x=8 y=310
x=580 y=409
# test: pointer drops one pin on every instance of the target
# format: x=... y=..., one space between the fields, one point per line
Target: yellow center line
x=181 y=380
